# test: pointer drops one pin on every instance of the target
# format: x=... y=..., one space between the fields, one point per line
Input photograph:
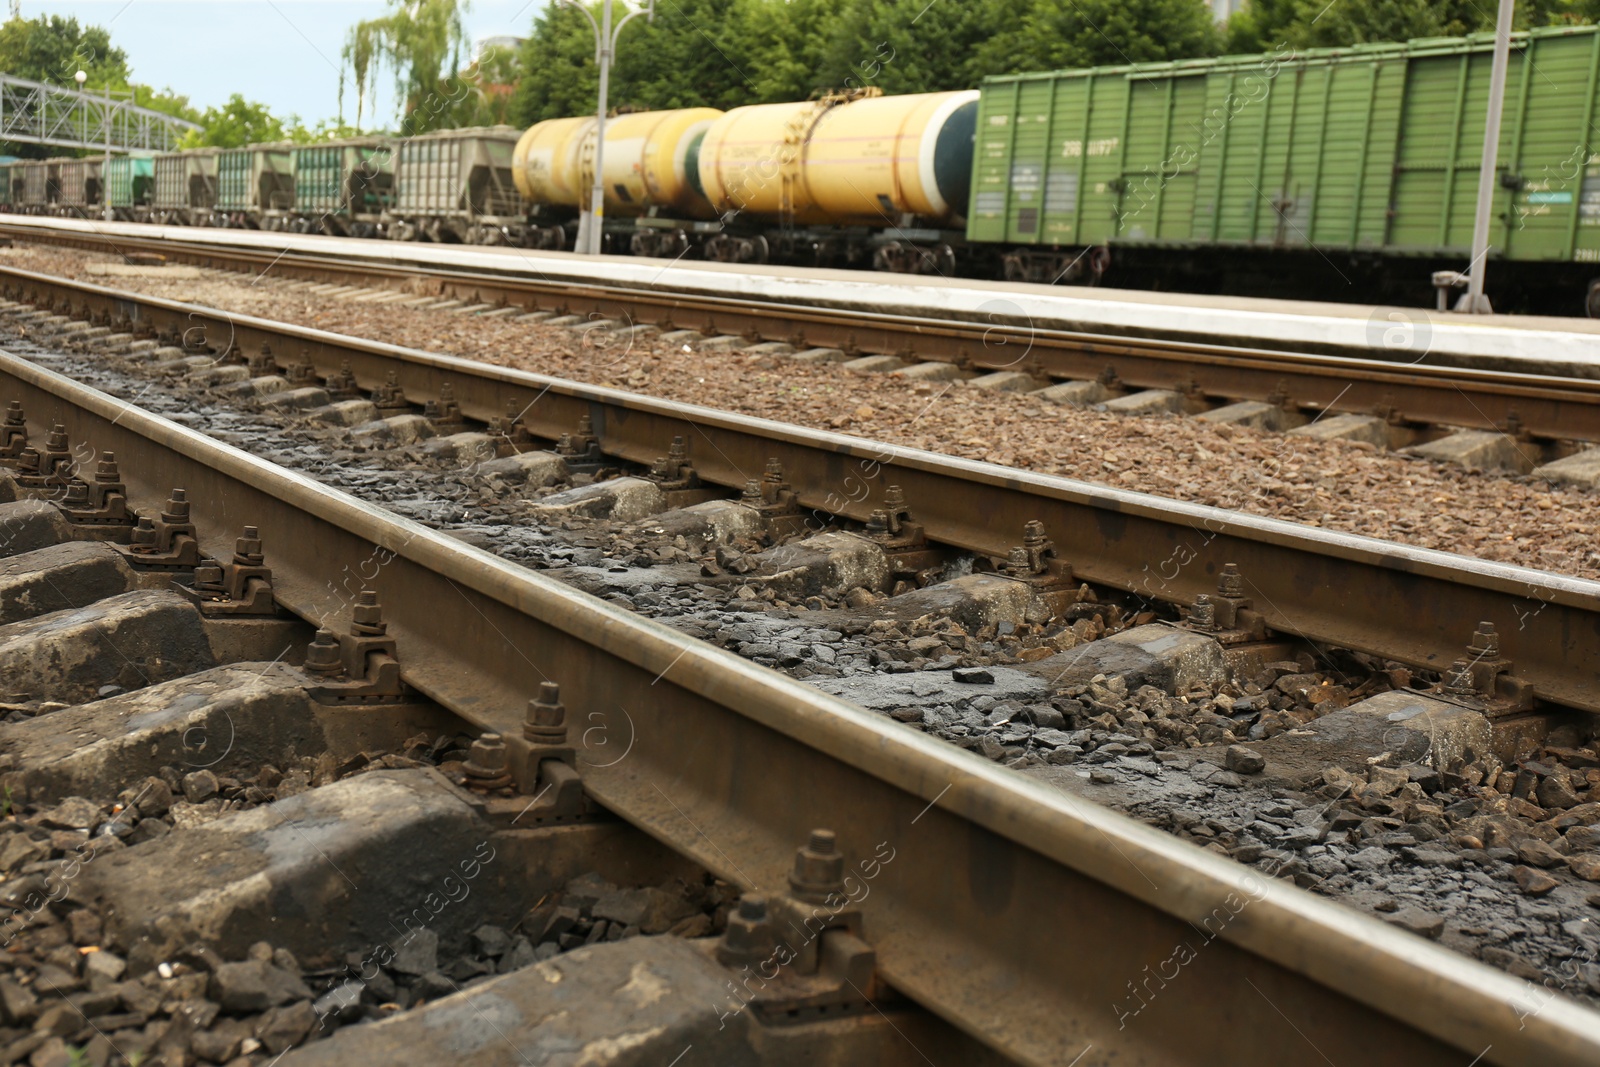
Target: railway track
x=1275 y=389
x=1014 y=920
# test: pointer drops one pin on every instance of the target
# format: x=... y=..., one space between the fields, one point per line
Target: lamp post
x=1475 y=300
x=105 y=164
x=591 y=223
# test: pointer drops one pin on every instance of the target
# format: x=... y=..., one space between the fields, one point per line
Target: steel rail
x=1409 y=604
x=1017 y=913
x=1527 y=404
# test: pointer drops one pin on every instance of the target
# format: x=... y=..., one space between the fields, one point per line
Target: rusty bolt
x=748 y=937
x=143 y=538
x=678 y=451
x=1485 y=641
x=447 y=394
x=1230 y=583
x=818 y=868
x=77 y=496
x=366 y=619
x=177 y=509
x=774 y=469
x=247 y=549
x=486 y=766
x=878 y=525
x=1033 y=533
x=488 y=758
x=58 y=439
x=752 y=495
x=1204 y=613
x=1458 y=679
x=106 y=471
x=208 y=578
x=585 y=426
x=894 y=498
x=546 y=721
x=14 y=416
x=323 y=655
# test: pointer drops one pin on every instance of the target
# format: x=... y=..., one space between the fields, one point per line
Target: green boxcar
x=350 y=177
x=257 y=178
x=131 y=180
x=1370 y=149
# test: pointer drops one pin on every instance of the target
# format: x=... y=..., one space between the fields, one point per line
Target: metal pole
x=597 y=196
x=1476 y=301
x=105 y=164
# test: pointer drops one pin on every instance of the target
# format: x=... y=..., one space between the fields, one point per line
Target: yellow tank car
x=548 y=162
x=649 y=162
x=864 y=161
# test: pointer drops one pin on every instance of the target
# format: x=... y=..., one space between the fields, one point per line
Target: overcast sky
x=284 y=53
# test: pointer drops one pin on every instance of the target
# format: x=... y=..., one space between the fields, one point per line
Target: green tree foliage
x=238 y=122
x=420 y=41
x=1264 y=25
x=54 y=49
x=1052 y=34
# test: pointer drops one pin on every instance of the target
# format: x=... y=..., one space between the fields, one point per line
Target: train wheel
x=1592 y=303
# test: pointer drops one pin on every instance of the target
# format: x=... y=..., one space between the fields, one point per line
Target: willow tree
x=420 y=41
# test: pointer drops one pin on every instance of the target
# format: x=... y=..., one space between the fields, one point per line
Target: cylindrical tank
x=649 y=162
x=548 y=163
x=863 y=162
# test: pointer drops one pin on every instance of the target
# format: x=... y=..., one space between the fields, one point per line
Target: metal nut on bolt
x=366 y=618
x=323 y=655
x=247 y=549
x=748 y=937
x=546 y=721
x=1230 y=582
x=486 y=764
x=818 y=868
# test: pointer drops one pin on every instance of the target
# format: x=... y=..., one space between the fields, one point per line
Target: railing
x=38 y=113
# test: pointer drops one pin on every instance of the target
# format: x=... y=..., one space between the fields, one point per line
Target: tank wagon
x=651 y=178
x=1320 y=172
x=456 y=186
x=844 y=179
x=342 y=187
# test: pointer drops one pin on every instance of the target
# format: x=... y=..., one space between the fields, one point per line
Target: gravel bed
x=1337 y=485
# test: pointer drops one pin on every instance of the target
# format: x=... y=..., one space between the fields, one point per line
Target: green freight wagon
x=342 y=187
x=186 y=186
x=130 y=181
x=456 y=185
x=252 y=181
x=1321 y=171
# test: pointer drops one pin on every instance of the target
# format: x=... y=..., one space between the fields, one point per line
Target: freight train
x=1348 y=174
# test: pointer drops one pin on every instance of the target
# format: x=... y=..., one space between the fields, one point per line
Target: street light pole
x=105 y=164
x=591 y=223
x=1475 y=300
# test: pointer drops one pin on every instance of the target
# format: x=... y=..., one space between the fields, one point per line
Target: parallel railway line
x=1416 y=395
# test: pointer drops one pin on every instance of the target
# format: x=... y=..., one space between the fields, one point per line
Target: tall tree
x=913 y=46
x=420 y=41
x=236 y=123
x=1056 y=34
